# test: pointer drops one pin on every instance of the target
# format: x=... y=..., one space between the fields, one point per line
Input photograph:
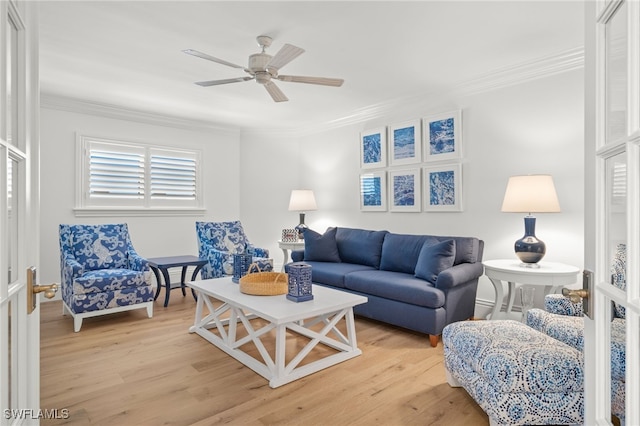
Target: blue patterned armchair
x=219 y=241
x=101 y=272
x=563 y=320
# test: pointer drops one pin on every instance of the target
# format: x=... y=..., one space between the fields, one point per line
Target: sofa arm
x=459 y=274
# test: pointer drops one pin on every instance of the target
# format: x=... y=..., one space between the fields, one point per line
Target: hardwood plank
x=129 y=369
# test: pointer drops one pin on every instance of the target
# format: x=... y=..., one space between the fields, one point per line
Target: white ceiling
x=129 y=53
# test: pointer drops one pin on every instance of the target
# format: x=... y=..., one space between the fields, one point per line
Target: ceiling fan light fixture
x=263 y=77
x=258 y=61
x=264 y=69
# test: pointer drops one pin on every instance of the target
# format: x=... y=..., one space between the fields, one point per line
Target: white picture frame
x=404 y=190
x=442 y=136
x=373 y=148
x=405 y=143
x=442 y=188
x=373 y=191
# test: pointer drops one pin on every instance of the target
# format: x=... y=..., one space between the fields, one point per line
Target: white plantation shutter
x=173 y=175
x=117 y=175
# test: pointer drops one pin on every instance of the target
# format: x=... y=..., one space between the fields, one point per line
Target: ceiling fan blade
x=335 y=82
x=286 y=54
x=218 y=82
x=275 y=92
x=211 y=58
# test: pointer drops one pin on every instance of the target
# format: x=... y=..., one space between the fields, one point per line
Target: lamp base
x=529 y=249
x=301 y=227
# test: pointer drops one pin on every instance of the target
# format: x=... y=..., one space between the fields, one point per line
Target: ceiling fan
x=264 y=69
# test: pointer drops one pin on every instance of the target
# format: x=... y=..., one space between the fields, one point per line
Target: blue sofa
x=418 y=282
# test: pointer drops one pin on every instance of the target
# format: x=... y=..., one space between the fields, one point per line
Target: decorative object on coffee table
x=241 y=262
x=302 y=200
x=300 y=289
x=263 y=283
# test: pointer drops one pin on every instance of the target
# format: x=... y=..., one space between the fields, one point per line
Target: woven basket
x=264 y=283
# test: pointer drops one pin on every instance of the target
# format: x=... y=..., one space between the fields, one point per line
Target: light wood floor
x=127 y=369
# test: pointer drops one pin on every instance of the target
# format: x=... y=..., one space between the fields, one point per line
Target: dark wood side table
x=162 y=264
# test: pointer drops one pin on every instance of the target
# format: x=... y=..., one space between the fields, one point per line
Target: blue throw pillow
x=435 y=258
x=321 y=247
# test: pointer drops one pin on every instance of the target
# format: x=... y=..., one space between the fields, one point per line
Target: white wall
x=534 y=127
x=151 y=236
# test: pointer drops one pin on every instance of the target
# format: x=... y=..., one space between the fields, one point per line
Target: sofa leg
x=434 y=340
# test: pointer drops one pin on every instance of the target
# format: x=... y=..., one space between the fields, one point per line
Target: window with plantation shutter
x=173 y=177
x=116 y=174
x=118 y=177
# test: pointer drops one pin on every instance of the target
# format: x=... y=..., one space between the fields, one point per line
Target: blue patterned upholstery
x=516 y=374
x=219 y=241
x=101 y=272
x=565 y=325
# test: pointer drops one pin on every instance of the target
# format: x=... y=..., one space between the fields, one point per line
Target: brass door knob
x=49 y=290
x=575 y=296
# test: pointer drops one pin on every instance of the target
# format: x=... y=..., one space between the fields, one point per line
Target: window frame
x=146 y=205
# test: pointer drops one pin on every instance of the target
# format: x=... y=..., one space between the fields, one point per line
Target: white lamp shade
x=531 y=194
x=302 y=200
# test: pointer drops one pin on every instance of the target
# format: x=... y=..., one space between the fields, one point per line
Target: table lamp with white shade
x=530 y=194
x=302 y=200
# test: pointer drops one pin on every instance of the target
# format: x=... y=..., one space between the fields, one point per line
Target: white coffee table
x=328 y=307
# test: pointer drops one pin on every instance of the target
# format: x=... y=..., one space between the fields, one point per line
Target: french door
x=19 y=331
x=613 y=123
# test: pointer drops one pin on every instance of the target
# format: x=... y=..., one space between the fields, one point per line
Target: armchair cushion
x=100 y=250
x=101 y=280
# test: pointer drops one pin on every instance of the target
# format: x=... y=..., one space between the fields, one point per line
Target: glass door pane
x=616 y=75
x=616 y=216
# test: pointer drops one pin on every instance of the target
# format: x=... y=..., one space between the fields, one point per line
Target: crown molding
x=64 y=103
x=568 y=60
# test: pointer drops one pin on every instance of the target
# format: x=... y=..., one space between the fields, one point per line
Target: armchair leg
x=150 y=310
x=77 y=323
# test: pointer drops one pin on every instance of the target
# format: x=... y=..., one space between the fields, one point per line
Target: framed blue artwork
x=373 y=191
x=373 y=148
x=405 y=143
x=442 y=188
x=443 y=136
x=404 y=190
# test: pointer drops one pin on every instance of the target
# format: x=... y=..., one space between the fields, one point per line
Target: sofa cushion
x=400 y=252
x=395 y=286
x=321 y=247
x=333 y=274
x=360 y=246
x=435 y=258
x=467 y=249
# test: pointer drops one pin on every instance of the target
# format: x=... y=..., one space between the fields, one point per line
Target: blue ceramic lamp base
x=529 y=249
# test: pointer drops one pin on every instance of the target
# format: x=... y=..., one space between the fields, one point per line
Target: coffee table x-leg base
x=275 y=369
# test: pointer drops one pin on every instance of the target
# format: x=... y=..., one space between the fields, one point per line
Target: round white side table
x=549 y=275
x=285 y=246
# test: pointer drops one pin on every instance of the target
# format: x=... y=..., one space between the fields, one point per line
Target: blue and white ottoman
x=516 y=374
